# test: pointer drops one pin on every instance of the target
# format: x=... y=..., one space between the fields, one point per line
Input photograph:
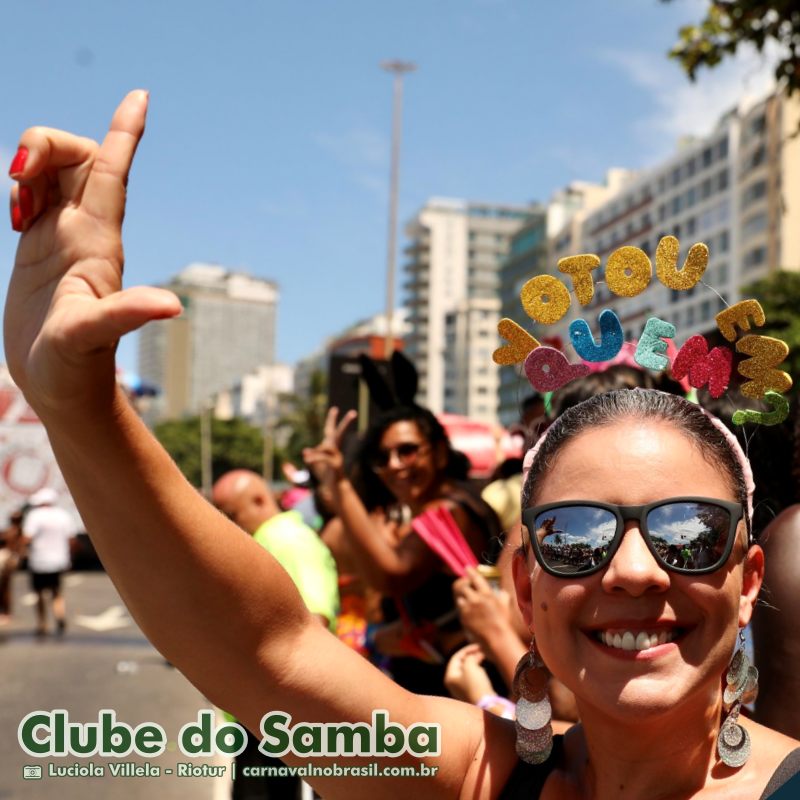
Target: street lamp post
x=398 y=69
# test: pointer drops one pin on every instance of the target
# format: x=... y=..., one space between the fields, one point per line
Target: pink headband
x=733 y=443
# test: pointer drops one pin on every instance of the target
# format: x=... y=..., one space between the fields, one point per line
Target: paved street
x=103 y=661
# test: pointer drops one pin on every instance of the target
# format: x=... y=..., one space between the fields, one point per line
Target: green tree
x=304 y=418
x=779 y=295
x=235 y=444
x=728 y=24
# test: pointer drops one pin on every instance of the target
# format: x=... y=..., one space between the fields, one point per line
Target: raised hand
x=326 y=460
x=65 y=309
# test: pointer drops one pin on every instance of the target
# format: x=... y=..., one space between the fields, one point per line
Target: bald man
x=245 y=498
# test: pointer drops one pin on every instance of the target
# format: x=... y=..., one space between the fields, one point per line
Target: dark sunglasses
x=406 y=453
x=689 y=535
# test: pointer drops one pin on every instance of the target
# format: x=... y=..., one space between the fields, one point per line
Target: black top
x=527 y=780
x=788 y=768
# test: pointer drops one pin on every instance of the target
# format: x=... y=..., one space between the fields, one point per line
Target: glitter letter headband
x=545 y=299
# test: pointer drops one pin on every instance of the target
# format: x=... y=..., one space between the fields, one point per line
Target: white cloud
x=365 y=154
x=682 y=108
x=291 y=205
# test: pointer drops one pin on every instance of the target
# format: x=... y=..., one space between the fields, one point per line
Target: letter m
x=702 y=367
x=766 y=353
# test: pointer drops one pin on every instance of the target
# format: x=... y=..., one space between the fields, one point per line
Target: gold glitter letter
x=628 y=271
x=739 y=313
x=545 y=299
x=520 y=343
x=579 y=268
x=766 y=354
x=667 y=264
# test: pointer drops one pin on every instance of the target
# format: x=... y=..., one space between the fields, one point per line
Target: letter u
x=610 y=337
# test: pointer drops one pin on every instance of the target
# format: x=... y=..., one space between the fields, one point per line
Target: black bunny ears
x=399 y=390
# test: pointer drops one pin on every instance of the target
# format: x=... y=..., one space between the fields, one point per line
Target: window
x=691 y=196
x=690 y=316
x=724 y=242
x=675 y=178
x=722 y=180
x=676 y=205
x=722 y=148
x=691 y=225
x=705 y=189
x=707 y=155
x=755 y=191
x=755 y=159
x=755 y=224
x=758 y=125
x=755 y=257
x=705 y=311
x=722 y=272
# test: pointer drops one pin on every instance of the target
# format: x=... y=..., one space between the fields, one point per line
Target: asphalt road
x=103 y=661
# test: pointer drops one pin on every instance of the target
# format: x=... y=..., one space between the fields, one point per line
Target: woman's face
x=407 y=463
x=631 y=463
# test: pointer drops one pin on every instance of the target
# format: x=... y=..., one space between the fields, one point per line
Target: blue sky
x=267 y=146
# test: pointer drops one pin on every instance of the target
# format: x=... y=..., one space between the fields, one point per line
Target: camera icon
x=32 y=773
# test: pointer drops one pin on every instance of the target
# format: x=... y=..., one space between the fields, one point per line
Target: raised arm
x=214 y=602
x=386 y=564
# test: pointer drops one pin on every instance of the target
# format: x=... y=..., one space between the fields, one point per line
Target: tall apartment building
x=226 y=330
x=737 y=190
x=452 y=267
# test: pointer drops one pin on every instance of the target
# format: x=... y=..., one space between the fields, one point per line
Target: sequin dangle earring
x=741 y=686
x=534 y=714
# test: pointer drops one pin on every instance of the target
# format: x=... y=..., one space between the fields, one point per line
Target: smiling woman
x=404 y=468
x=222 y=610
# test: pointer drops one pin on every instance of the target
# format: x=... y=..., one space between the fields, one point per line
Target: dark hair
x=604 y=409
x=369 y=486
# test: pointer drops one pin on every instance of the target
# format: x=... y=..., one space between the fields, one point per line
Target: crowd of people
x=623 y=673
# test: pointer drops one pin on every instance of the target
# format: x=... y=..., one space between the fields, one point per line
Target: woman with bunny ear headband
x=404 y=469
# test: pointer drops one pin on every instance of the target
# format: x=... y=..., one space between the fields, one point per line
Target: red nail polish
x=16 y=218
x=26 y=201
x=18 y=164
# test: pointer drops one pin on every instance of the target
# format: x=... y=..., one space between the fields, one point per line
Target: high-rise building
x=452 y=267
x=226 y=330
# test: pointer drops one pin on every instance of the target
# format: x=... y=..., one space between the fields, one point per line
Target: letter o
x=545 y=311
x=631 y=259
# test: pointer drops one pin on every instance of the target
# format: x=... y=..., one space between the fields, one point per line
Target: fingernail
x=26 y=201
x=16 y=218
x=18 y=164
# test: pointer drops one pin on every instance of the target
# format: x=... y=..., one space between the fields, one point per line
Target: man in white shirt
x=49 y=533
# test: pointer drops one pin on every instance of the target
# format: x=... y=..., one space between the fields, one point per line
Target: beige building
x=226 y=330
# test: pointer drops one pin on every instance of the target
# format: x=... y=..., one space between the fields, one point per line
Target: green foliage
x=731 y=23
x=304 y=419
x=235 y=444
x=779 y=295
